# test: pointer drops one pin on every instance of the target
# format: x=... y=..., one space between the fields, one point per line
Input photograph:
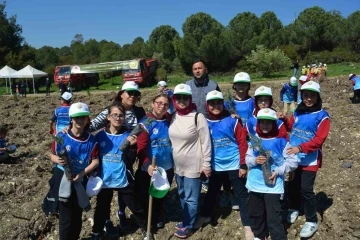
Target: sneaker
x=146 y=237
x=179 y=226
x=204 y=187
x=308 y=229
x=183 y=233
x=234 y=203
x=224 y=199
x=249 y=235
x=95 y=236
x=200 y=221
x=292 y=215
x=159 y=223
x=109 y=228
x=123 y=223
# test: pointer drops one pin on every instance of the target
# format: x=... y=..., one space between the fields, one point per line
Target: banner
x=105 y=67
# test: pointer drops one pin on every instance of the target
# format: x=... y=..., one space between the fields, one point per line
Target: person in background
x=190 y=139
x=296 y=68
x=162 y=87
x=355 y=80
x=310 y=126
x=62 y=87
x=47 y=86
x=61 y=115
x=23 y=88
x=288 y=95
x=3 y=148
x=302 y=79
x=264 y=205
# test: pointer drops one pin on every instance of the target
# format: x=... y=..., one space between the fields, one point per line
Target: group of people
x=241 y=145
x=314 y=71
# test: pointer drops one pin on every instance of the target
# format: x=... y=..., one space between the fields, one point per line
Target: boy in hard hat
x=288 y=95
x=162 y=87
x=61 y=114
x=355 y=80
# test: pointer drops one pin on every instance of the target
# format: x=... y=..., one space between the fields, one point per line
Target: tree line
x=315 y=35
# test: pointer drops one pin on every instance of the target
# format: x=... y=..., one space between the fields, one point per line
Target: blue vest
x=171 y=107
x=62 y=118
x=2 y=145
x=357 y=82
x=243 y=108
x=225 y=149
x=290 y=93
x=304 y=129
x=79 y=151
x=160 y=145
x=255 y=180
x=113 y=169
x=252 y=121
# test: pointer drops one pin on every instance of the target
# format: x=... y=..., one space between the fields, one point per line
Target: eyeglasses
x=116 y=116
x=133 y=93
x=182 y=97
x=160 y=104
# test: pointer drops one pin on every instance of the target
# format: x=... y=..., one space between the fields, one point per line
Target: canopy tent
x=29 y=72
x=6 y=73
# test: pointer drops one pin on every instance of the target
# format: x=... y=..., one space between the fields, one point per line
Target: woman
x=191 y=144
x=154 y=143
x=114 y=172
x=82 y=148
x=227 y=161
x=128 y=96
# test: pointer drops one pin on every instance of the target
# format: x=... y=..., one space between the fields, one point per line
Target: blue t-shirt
x=356 y=80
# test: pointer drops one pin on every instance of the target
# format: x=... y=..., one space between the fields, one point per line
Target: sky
x=55 y=23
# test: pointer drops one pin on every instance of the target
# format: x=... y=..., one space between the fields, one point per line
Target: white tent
x=6 y=73
x=29 y=72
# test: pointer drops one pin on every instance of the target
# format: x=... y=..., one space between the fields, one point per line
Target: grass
x=339 y=69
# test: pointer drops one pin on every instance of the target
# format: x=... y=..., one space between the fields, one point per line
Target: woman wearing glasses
x=190 y=139
x=128 y=96
x=154 y=142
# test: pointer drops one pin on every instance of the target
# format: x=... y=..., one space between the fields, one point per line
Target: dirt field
x=24 y=180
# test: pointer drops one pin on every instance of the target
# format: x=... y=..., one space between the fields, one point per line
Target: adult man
x=62 y=87
x=201 y=85
x=47 y=85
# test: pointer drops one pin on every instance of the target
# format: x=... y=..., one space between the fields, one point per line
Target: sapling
x=230 y=99
x=64 y=155
x=136 y=131
x=260 y=151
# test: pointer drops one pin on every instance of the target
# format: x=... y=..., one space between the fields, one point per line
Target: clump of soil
x=24 y=178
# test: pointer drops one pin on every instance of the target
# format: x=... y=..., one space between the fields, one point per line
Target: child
x=114 y=171
x=288 y=95
x=310 y=126
x=61 y=114
x=263 y=99
x=303 y=79
x=228 y=160
x=355 y=80
x=3 y=150
x=264 y=205
x=243 y=103
x=82 y=149
x=162 y=87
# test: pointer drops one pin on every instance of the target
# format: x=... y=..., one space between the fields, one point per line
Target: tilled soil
x=24 y=179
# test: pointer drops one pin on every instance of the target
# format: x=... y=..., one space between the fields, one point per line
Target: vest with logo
x=62 y=118
x=255 y=180
x=159 y=145
x=225 y=149
x=79 y=151
x=357 y=82
x=251 y=125
x=113 y=169
x=289 y=93
x=243 y=108
x=304 y=129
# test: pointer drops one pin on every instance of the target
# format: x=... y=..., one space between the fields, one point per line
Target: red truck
x=77 y=81
x=141 y=70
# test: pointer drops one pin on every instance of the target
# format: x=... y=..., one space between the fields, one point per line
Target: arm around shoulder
x=291 y=162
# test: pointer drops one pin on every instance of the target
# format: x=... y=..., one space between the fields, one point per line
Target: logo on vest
x=102 y=144
x=296 y=119
x=155 y=131
x=68 y=148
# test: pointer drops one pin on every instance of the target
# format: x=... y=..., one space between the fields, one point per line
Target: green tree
x=161 y=40
x=267 y=61
x=353 y=31
x=271 y=30
x=26 y=56
x=47 y=56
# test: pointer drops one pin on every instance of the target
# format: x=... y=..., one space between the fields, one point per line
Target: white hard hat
x=293 y=81
x=66 y=96
x=263 y=91
x=214 y=95
x=79 y=109
x=162 y=84
x=242 y=77
x=183 y=89
x=130 y=86
x=311 y=86
x=267 y=114
x=351 y=75
x=93 y=186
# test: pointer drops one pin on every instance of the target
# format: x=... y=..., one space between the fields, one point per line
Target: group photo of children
x=236 y=150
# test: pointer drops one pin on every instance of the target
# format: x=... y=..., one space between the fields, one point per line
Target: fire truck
x=141 y=71
x=77 y=81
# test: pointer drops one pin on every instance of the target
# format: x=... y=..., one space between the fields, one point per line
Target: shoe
x=234 y=203
x=123 y=223
x=308 y=229
x=109 y=228
x=160 y=225
x=204 y=187
x=292 y=215
x=224 y=199
x=146 y=237
x=200 y=221
x=95 y=236
x=179 y=225
x=249 y=235
x=183 y=233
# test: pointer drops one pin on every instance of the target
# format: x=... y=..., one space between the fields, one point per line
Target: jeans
x=241 y=194
x=302 y=189
x=295 y=72
x=189 y=193
x=265 y=216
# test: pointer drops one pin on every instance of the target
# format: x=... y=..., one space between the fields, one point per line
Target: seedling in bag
x=260 y=151
x=136 y=131
x=63 y=154
x=230 y=99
